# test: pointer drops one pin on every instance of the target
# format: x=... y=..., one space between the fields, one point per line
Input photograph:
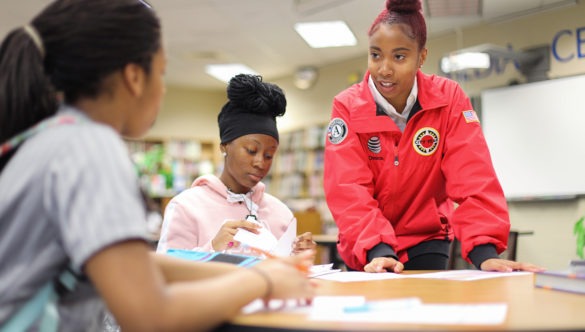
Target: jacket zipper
x=394 y=174
x=396 y=162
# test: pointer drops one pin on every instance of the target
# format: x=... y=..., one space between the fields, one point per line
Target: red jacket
x=385 y=186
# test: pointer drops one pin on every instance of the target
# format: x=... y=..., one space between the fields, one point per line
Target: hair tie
x=36 y=38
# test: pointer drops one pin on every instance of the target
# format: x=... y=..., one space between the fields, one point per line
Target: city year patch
x=426 y=141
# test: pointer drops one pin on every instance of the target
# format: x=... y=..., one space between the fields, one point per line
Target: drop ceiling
x=260 y=33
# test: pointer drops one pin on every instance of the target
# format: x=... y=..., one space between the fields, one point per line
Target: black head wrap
x=252 y=108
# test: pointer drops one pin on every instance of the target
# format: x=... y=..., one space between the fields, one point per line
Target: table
x=529 y=308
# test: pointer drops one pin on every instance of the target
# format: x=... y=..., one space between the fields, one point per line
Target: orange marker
x=300 y=267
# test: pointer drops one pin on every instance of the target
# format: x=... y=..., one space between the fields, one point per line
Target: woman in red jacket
x=402 y=148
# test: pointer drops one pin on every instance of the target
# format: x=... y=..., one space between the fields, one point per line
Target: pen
x=300 y=267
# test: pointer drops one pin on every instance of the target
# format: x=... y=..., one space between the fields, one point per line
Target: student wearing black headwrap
x=208 y=215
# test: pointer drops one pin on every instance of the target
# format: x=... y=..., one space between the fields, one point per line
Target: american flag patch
x=470 y=116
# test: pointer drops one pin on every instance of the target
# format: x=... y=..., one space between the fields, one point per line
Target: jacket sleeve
x=349 y=190
x=179 y=230
x=481 y=220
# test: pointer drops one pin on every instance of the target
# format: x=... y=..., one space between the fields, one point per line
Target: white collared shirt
x=399 y=119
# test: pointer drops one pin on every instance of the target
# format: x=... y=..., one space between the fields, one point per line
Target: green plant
x=579 y=231
x=153 y=159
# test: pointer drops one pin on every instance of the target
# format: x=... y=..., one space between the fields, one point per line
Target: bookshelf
x=296 y=176
x=168 y=166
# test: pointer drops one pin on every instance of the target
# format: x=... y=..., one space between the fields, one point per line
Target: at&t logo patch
x=374 y=144
x=425 y=141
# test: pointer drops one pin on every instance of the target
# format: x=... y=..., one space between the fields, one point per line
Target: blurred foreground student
x=68 y=193
x=402 y=148
x=208 y=215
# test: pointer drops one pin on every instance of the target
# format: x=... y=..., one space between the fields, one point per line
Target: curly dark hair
x=252 y=108
x=249 y=92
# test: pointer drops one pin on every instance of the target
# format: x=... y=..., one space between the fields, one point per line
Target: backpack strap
x=16 y=140
x=43 y=304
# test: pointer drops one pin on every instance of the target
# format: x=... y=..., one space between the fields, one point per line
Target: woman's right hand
x=289 y=276
x=225 y=237
x=384 y=264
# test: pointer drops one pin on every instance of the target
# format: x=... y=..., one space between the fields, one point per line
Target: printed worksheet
x=353 y=276
x=400 y=310
x=467 y=275
x=461 y=275
x=405 y=310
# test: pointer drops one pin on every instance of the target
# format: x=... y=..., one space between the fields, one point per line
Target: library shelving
x=296 y=176
x=167 y=166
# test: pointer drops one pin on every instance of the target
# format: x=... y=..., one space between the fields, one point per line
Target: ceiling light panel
x=225 y=72
x=444 y=8
x=326 y=34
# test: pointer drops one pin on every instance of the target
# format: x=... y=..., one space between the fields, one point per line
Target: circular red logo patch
x=425 y=141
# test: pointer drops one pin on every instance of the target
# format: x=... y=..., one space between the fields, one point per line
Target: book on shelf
x=578 y=266
x=562 y=280
x=315 y=137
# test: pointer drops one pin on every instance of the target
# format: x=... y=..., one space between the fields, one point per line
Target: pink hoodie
x=193 y=217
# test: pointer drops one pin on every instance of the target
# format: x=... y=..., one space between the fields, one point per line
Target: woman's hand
x=504 y=265
x=288 y=276
x=384 y=264
x=304 y=242
x=225 y=237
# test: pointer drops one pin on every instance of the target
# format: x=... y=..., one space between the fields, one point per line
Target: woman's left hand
x=504 y=265
x=304 y=242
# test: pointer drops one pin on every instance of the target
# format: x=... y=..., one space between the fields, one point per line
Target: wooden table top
x=529 y=308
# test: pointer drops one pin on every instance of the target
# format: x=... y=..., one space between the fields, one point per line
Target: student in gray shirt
x=69 y=196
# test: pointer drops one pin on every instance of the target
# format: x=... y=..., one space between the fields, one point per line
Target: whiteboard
x=536 y=136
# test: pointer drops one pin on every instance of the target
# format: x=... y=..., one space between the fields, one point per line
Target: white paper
x=353 y=276
x=461 y=275
x=285 y=243
x=466 y=275
x=337 y=307
x=320 y=270
x=264 y=240
x=288 y=306
x=409 y=310
x=405 y=310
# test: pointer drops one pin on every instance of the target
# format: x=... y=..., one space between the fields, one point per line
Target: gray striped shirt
x=68 y=192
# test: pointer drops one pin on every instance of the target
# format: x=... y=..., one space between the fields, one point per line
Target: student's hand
x=384 y=264
x=289 y=277
x=504 y=265
x=304 y=242
x=225 y=237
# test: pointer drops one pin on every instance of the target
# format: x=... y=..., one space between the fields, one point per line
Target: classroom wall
x=193 y=113
x=188 y=113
